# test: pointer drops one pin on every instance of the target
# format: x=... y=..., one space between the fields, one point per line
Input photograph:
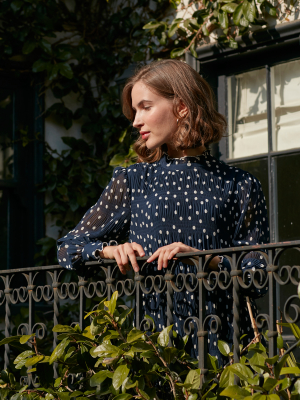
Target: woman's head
x=159 y=94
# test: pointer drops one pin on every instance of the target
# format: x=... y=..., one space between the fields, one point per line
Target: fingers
x=125 y=253
x=132 y=256
x=118 y=259
x=137 y=247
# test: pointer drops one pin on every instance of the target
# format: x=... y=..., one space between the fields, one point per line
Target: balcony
x=35 y=299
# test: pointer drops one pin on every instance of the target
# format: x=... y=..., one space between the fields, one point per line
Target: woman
x=177 y=198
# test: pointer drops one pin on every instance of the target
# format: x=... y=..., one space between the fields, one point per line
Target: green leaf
x=237 y=14
x=28 y=47
x=193 y=50
x=25 y=338
x=250 y=11
x=223 y=19
x=124 y=315
x=152 y=25
x=235 y=392
x=255 y=360
x=113 y=302
x=10 y=339
x=59 y=350
x=193 y=379
x=229 y=7
x=272 y=360
x=134 y=335
x=105 y=349
x=39 y=65
x=223 y=347
x=123 y=396
x=163 y=338
x=241 y=371
x=290 y=370
x=279 y=341
x=99 y=377
x=16 y=5
x=33 y=360
x=296 y=387
x=23 y=356
x=178 y=52
x=169 y=354
x=63 y=328
x=45 y=45
x=118 y=159
x=65 y=70
x=120 y=375
x=173 y=29
x=270 y=9
x=63 y=395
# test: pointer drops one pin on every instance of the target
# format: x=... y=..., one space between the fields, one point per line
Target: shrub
x=111 y=359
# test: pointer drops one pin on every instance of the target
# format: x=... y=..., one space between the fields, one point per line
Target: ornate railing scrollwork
x=53 y=289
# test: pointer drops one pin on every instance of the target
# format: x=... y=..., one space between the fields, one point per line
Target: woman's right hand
x=123 y=253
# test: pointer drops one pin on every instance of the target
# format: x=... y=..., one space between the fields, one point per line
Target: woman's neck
x=173 y=153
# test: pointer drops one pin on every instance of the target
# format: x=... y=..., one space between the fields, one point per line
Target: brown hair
x=175 y=80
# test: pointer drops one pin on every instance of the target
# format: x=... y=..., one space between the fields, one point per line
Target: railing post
x=170 y=291
x=30 y=288
x=109 y=281
x=138 y=299
x=7 y=292
x=272 y=334
x=236 y=309
x=55 y=285
x=202 y=334
x=81 y=283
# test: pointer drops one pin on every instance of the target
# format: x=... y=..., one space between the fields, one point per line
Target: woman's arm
x=105 y=222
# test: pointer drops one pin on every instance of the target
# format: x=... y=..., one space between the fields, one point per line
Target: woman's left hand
x=166 y=253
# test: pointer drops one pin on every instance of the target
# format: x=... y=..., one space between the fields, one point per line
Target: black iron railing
x=51 y=287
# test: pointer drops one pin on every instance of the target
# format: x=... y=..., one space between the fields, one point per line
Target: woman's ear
x=182 y=109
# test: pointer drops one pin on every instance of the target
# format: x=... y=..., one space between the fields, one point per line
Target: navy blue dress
x=197 y=200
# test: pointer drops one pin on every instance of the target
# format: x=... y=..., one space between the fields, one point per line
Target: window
x=263 y=107
x=263 y=111
x=21 y=207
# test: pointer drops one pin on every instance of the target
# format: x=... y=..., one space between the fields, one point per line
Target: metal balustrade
x=47 y=286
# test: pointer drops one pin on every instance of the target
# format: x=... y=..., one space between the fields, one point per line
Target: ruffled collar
x=184 y=162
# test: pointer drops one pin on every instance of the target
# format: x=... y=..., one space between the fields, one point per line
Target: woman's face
x=154 y=116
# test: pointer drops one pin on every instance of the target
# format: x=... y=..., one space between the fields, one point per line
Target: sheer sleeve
x=252 y=228
x=108 y=220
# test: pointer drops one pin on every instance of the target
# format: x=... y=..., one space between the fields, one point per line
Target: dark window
x=21 y=206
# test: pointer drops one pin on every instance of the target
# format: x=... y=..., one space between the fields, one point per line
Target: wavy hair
x=175 y=80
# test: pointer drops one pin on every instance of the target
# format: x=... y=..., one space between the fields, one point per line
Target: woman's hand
x=124 y=253
x=166 y=253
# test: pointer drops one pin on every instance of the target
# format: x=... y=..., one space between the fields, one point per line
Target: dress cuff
x=89 y=252
x=224 y=264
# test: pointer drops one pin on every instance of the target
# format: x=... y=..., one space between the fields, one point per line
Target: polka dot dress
x=199 y=201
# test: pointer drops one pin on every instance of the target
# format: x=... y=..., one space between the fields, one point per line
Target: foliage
x=110 y=359
x=80 y=49
x=222 y=19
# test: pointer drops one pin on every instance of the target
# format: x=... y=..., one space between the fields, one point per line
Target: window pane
x=288 y=197
x=3 y=228
x=286 y=111
x=258 y=168
x=247 y=114
x=6 y=134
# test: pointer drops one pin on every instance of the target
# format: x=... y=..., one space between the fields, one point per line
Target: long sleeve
x=252 y=228
x=107 y=220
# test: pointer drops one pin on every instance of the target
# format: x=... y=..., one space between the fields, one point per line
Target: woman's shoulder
x=243 y=179
x=139 y=167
